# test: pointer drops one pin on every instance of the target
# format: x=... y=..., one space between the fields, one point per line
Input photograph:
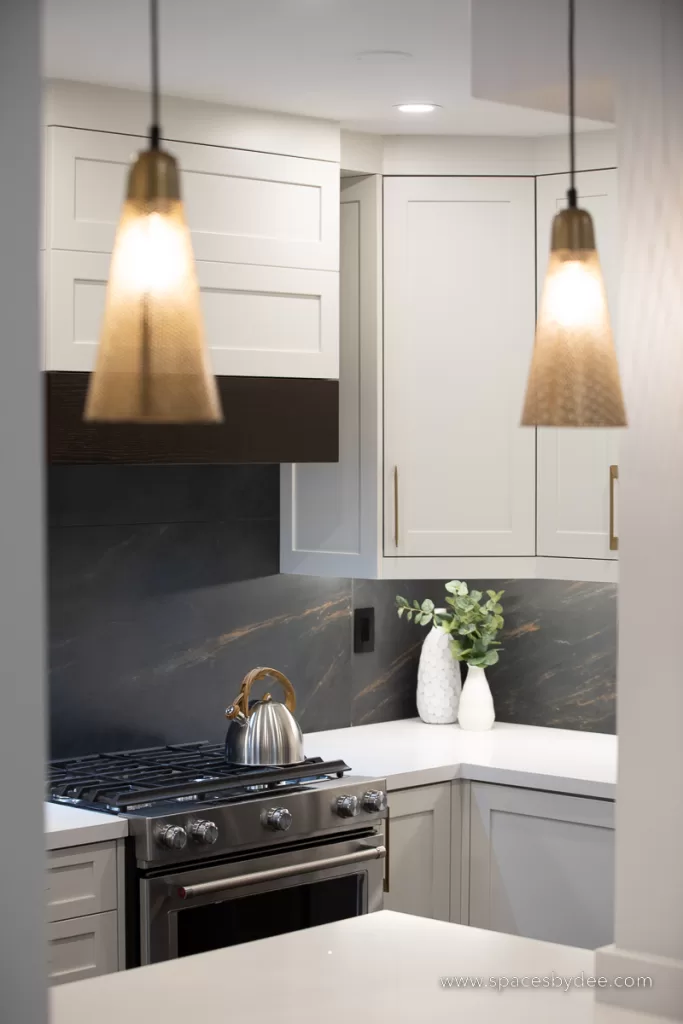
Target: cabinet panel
x=242 y=207
x=573 y=465
x=459 y=324
x=82 y=948
x=419 y=852
x=259 y=321
x=81 y=880
x=329 y=511
x=542 y=865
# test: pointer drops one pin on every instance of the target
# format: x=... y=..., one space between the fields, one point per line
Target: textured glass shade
x=574 y=377
x=152 y=363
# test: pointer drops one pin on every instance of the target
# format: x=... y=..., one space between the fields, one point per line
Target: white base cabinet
x=521 y=861
x=82 y=947
x=541 y=865
x=85 y=923
x=420 y=852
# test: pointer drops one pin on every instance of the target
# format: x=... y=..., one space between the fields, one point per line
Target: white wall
x=22 y=961
x=649 y=852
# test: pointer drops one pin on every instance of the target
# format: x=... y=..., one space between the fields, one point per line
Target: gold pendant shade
x=574 y=377
x=152 y=364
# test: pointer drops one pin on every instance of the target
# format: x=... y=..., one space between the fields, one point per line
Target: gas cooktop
x=144 y=781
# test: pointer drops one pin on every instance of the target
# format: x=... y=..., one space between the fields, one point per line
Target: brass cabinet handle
x=395 y=506
x=387 y=848
x=613 y=539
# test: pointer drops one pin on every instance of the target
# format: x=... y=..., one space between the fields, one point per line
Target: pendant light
x=152 y=364
x=574 y=377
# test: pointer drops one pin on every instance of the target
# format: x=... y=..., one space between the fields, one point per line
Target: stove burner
x=132 y=779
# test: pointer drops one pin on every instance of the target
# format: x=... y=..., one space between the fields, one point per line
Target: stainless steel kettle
x=267 y=732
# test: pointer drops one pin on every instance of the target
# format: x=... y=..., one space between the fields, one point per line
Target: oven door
x=268 y=893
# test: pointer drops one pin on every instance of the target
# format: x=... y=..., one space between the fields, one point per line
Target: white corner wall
x=649 y=852
x=23 y=970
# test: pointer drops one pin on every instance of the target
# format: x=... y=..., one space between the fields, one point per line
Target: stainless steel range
x=221 y=854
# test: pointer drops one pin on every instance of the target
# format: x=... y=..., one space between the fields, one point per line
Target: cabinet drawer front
x=259 y=321
x=82 y=948
x=81 y=881
x=242 y=207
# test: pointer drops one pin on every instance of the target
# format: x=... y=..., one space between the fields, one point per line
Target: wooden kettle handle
x=242 y=701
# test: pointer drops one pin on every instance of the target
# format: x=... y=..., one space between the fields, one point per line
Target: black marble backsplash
x=164 y=591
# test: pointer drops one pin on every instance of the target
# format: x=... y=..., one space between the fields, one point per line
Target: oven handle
x=271 y=875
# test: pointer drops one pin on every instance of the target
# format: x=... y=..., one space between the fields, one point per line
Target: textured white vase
x=476 y=712
x=438 y=680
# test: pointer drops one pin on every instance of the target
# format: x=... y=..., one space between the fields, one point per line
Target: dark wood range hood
x=267 y=419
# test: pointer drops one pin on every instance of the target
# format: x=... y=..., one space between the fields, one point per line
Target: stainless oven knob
x=374 y=800
x=203 y=832
x=347 y=806
x=173 y=836
x=277 y=819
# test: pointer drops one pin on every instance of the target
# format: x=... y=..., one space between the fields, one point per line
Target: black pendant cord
x=571 y=194
x=154 y=131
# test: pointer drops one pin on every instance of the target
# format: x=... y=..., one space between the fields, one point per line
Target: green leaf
x=427 y=605
x=490 y=658
x=400 y=612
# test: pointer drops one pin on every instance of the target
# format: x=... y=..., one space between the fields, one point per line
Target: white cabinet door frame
x=541 y=864
x=458 y=335
x=419 y=851
x=241 y=206
x=259 y=321
x=574 y=465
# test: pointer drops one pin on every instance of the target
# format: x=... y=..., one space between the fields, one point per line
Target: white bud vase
x=438 y=680
x=476 y=711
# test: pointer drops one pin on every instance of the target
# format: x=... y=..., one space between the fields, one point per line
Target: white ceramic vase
x=476 y=712
x=438 y=680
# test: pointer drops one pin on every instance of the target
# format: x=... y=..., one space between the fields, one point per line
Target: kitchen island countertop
x=381 y=967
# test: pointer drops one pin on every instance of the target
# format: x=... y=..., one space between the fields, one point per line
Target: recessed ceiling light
x=417 y=108
x=383 y=56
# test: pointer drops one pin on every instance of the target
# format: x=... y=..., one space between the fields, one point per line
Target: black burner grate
x=131 y=778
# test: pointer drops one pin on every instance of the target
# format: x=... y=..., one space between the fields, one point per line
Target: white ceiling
x=298 y=56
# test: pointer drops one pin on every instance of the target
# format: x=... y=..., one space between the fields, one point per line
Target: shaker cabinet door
x=259 y=321
x=459 y=299
x=420 y=851
x=542 y=865
x=577 y=495
x=241 y=206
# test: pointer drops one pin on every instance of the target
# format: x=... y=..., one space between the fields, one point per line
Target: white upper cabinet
x=329 y=511
x=576 y=491
x=459 y=300
x=265 y=230
x=259 y=321
x=241 y=207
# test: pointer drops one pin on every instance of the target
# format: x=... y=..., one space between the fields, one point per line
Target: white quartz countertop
x=411 y=753
x=72 y=826
x=382 y=967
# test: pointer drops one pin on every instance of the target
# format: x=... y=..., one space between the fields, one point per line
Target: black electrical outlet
x=363 y=630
